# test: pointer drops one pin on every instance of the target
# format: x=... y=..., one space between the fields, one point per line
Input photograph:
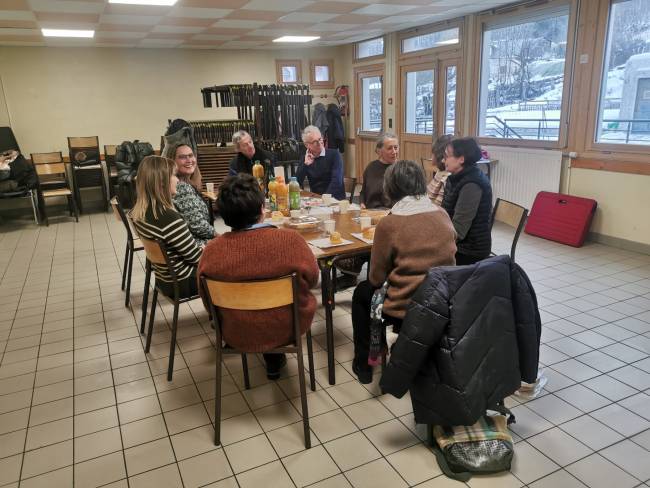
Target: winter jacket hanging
x=335 y=131
x=470 y=336
x=319 y=118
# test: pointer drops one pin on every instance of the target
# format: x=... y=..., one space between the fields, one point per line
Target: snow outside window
x=419 y=102
x=371 y=104
x=431 y=40
x=450 y=101
x=371 y=47
x=522 y=78
x=624 y=110
x=289 y=74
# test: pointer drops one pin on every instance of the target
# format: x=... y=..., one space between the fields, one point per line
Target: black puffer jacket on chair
x=470 y=335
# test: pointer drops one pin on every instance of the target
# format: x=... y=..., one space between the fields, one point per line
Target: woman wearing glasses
x=323 y=167
x=188 y=200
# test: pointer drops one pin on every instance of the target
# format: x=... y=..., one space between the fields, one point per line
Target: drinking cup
x=344 y=206
x=327 y=198
x=209 y=187
x=329 y=226
x=365 y=222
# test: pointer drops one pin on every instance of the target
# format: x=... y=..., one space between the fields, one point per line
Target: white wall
x=120 y=94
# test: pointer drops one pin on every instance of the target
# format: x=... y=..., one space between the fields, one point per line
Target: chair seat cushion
x=57 y=193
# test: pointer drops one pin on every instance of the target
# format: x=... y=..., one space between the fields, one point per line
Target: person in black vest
x=468 y=200
x=247 y=154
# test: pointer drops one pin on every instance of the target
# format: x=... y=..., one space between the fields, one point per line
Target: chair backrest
x=251 y=295
x=512 y=215
x=48 y=164
x=429 y=168
x=83 y=142
x=155 y=251
x=350 y=184
x=109 y=153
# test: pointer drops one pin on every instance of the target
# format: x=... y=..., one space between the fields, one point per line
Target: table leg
x=326 y=287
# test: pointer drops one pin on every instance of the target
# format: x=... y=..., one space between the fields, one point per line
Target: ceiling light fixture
x=67 y=33
x=296 y=38
x=163 y=3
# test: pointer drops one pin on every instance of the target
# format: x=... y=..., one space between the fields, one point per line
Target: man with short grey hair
x=247 y=154
x=323 y=167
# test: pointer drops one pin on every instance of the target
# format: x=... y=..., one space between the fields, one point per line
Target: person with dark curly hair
x=255 y=250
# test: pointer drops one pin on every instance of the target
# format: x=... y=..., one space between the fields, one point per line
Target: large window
x=450 y=100
x=370 y=48
x=624 y=110
x=419 y=101
x=522 y=78
x=429 y=41
x=371 y=107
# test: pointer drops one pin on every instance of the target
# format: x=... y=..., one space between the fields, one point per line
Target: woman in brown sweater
x=254 y=250
x=415 y=236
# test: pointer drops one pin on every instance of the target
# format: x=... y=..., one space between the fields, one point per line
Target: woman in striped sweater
x=155 y=218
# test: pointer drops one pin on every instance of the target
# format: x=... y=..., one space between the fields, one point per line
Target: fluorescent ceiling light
x=165 y=3
x=67 y=33
x=296 y=38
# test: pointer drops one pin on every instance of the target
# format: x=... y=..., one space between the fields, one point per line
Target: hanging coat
x=319 y=118
x=335 y=131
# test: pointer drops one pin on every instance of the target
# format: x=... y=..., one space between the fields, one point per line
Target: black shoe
x=364 y=374
x=273 y=369
x=345 y=281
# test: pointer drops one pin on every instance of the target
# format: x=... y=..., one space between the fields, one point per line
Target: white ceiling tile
x=212 y=37
x=17 y=15
x=273 y=32
x=277 y=5
x=67 y=6
x=306 y=17
x=19 y=32
x=332 y=27
x=130 y=19
x=242 y=44
x=119 y=35
x=160 y=42
x=383 y=9
x=199 y=13
x=400 y=19
x=177 y=29
x=240 y=24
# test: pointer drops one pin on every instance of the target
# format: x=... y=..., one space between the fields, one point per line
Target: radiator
x=521 y=173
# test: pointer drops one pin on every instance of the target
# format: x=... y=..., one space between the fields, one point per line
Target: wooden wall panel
x=365 y=154
x=415 y=150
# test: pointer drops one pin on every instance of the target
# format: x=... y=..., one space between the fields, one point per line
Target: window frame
x=593 y=148
x=312 y=73
x=419 y=31
x=516 y=15
x=281 y=63
x=357 y=59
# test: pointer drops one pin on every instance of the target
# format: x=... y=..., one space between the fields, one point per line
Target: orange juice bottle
x=273 y=196
x=282 y=195
x=258 y=173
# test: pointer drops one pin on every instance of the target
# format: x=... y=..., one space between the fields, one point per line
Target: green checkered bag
x=485 y=447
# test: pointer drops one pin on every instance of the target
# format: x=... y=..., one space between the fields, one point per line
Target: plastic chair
x=512 y=215
x=53 y=180
x=258 y=295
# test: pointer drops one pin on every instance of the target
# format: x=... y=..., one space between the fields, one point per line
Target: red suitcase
x=561 y=218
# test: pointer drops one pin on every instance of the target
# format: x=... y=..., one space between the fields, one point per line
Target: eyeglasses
x=319 y=141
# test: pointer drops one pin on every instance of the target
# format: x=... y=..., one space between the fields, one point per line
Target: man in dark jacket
x=247 y=154
x=323 y=167
x=470 y=336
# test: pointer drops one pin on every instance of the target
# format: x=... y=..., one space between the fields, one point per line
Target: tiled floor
x=81 y=405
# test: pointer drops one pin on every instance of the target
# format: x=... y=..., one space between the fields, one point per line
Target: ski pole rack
x=219 y=132
x=278 y=111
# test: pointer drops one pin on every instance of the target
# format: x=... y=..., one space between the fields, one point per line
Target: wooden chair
x=133 y=245
x=157 y=254
x=87 y=169
x=258 y=295
x=53 y=180
x=111 y=169
x=429 y=168
x=350 y=185
x=510 y=214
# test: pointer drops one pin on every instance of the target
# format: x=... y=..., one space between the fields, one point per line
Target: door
x=427 y=105
x=368 y=114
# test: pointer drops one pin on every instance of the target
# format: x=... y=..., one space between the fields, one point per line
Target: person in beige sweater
x=415 y=236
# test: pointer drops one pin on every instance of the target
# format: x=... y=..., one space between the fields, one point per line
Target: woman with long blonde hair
x=155 y=218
